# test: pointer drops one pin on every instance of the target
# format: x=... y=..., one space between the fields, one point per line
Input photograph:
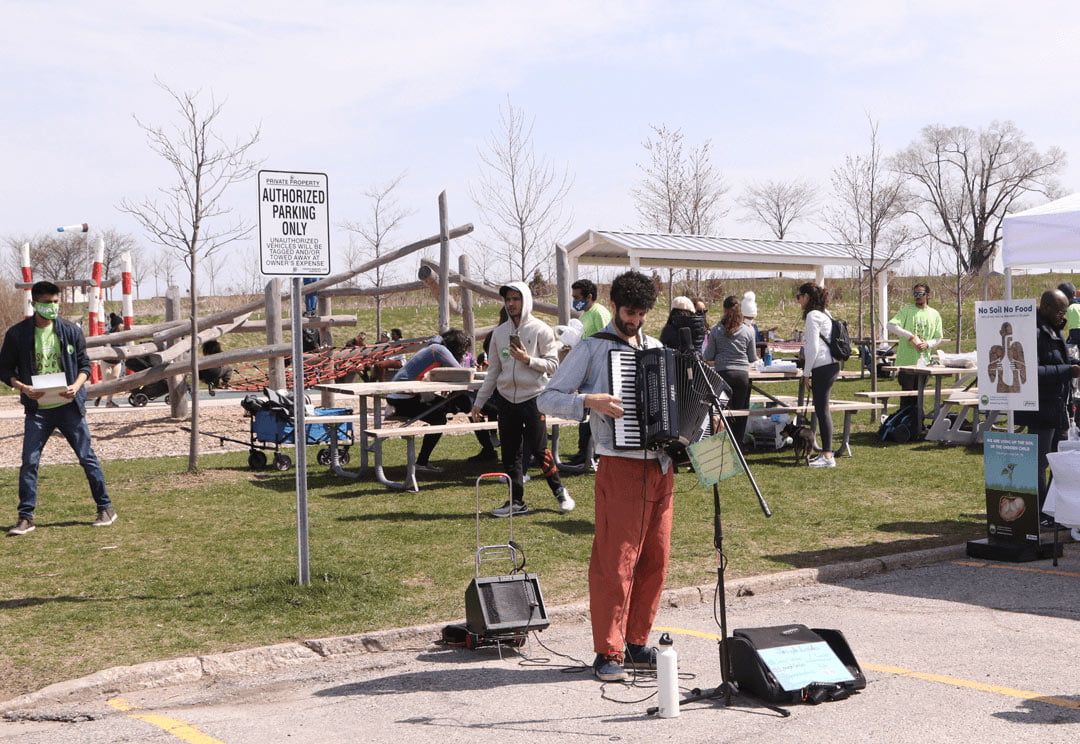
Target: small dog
x=803 y=439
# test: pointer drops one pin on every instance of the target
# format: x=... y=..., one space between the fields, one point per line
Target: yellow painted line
x=939 y=678
x=982 y=686
x=1030 y=569
x=180 y=729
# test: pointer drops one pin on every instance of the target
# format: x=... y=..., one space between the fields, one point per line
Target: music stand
x=727 y=689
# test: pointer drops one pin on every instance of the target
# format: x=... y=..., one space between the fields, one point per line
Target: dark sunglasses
x=919 y=294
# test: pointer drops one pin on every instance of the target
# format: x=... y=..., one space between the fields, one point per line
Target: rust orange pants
x=630 y=550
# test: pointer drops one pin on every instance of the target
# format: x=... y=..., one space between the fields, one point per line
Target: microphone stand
x=727 y=689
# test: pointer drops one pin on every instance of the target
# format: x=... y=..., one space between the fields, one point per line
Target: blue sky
x=366 y=90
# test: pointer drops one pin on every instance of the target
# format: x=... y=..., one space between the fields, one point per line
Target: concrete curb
x=247 y=662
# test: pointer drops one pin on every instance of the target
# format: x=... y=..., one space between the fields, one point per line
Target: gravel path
x=126 y=432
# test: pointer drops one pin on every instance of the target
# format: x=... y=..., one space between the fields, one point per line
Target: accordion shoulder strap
x=611 y=337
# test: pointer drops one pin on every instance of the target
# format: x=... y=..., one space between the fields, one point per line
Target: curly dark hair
x=819 y=298
x=587 y=288
x=456 y=342
x=634 y=290
x=733 y=317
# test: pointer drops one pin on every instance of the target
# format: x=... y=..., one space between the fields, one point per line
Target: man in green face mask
x=41 y=344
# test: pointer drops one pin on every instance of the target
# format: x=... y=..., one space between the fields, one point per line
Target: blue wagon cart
x=272 y=428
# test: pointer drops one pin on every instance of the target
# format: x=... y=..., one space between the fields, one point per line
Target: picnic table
x=965 y=377
x=374 y=431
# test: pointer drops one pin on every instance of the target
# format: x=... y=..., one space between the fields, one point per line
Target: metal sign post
x=294 y=240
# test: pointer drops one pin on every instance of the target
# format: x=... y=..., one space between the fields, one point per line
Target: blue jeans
x=36 y=431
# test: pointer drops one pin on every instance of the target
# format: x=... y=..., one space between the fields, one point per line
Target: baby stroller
x=143 y=394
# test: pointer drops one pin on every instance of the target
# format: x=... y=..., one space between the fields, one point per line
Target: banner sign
x=1005 y=332
x=1010 y=463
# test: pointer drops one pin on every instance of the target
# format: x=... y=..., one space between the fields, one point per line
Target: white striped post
x=28 y=277
x=128 y=303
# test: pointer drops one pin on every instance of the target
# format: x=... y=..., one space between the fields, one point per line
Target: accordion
x=666 y=401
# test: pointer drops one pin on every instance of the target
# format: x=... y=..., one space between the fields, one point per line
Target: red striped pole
x=128 y=304
x=27 y=276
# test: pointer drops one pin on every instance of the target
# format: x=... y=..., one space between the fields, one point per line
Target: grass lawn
x=206 y=562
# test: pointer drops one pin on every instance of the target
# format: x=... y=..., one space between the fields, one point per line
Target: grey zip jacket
x=515 y=381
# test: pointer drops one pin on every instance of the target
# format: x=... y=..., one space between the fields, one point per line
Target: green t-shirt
x=924 y=323
x=47 y=354
x=1072 y=318
x=594 y=319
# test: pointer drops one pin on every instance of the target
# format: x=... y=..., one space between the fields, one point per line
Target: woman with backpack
x=819 y=364
x=731 y=350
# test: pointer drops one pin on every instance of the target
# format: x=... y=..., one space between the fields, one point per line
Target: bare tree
x=190 y=219
x=778 y=204
x=384 y=216
x=869 y=202
x=680 y=190
x=521 y=196
x=966 y=181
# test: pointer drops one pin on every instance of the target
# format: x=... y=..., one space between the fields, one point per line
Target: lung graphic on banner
x=1005 y=332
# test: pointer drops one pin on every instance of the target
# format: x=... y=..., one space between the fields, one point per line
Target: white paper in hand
x=52 y=385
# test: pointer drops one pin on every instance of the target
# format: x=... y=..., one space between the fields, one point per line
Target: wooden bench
x=849 y=408
x=374 y=438
x=884 y=395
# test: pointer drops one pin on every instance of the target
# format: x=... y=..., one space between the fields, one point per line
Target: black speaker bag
x=505 y=604
x=754 y=676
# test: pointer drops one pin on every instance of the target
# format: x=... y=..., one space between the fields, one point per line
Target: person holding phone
x=524 y=352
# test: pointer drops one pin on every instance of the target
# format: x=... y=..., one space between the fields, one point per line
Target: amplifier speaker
x=505 y=604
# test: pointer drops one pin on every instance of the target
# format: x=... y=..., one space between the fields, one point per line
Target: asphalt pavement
x=953 y=649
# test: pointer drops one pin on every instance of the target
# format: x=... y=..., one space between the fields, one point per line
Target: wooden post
x=444 y=265
x=274 y=333
x=562 y=284
x=468 y=319
x=178 y=402
x=326 y=338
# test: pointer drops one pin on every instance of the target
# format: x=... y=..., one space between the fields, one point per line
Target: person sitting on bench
x=443 y=352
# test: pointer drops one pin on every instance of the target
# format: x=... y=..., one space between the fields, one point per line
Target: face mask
x=579 y=305
x=47 y=310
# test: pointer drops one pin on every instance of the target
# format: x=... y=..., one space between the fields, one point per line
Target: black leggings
x=739 y=380
x=414 y=406
x=821 y=382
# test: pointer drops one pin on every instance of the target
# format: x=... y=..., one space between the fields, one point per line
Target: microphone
x=686 y=341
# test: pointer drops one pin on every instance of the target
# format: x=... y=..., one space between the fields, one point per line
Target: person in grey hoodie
x=523 y=353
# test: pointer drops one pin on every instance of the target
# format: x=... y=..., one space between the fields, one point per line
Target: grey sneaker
x=517 y=508
x=566 y=503
x=608 y=668
x=24 y=525
x=427 y=468
x=105 y=517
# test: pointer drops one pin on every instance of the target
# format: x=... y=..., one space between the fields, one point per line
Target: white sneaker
x=823 y=462
x=566 y=503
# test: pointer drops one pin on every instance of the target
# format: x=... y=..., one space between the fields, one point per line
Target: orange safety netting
x=325 y=365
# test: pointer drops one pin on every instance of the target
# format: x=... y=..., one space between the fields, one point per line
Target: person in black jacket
x=683 y=315
x=41 y=344
x=1056 y=373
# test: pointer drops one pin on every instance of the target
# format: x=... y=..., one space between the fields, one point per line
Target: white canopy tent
x=663 y=251
x=1047 y=236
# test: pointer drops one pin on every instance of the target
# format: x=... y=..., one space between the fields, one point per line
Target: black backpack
x=900 y=426
x=839 y=342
